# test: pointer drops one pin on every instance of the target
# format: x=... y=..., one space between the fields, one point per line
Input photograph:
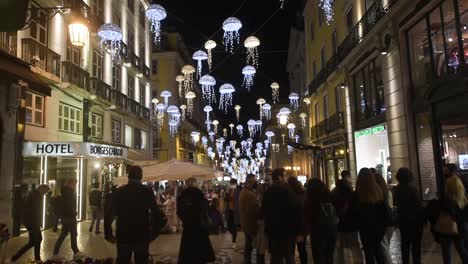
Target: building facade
x=97 y=118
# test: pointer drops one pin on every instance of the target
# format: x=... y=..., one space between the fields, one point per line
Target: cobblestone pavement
x=165 y=248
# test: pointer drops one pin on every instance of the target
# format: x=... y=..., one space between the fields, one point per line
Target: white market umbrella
x=177 y=170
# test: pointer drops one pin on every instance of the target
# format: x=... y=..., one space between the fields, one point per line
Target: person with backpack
x=321 y=220
x=95 y=203
x=32 y=218
x=139 y=219
x=192 y=209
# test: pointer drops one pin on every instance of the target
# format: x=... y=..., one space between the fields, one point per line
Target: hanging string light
x=111 y=37
x=199 y=56
x=155 y=14
x=208 y=125
x=294 y=101
x=160 y=109
x=204 y=141
x=267 y=111
x=180 y=79
x=233 y=144
x=252 y=127
x=207 y=109
x=188 y=71
x=231 y=126
x=275 y=92
x=260 y=103
x=166 y=94
x=231 y=27
x=173 y=125
x=269 y=135
x=240 y=130
x=252 y=43
x=215 y=126
x=209 y=45
x=303 y=117
x=258 y=126
x=290 y=150
x=190 y=96
x=249 y=73
x=225 y=100
x=291 y=130
x=211 y=134
x=183 y=109
x=237 y=108
x=195 y=137
x=207 y=83
x=327 y=9
x=267 y=143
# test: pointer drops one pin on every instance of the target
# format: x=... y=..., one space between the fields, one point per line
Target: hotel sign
x=73 y=149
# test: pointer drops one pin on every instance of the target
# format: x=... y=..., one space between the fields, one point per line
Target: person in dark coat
x=192 y=209
x=138 y=219
x=232 y=209
x=32 y=221
x=95 y=203
x=67 y=212
x=410 y=216
x=282 y=219
x=300 y=195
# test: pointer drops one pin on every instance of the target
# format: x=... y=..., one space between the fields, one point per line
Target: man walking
x=232 y=212
x=282 y=219
x=95 y=203
x=132 y=205
x=32 y=222
x=249 y=215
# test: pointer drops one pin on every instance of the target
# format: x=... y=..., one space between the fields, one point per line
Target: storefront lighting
x=341 y=151
x=97 y=165
x=78 y=33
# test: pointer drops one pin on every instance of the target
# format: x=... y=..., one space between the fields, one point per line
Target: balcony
x=8 y=42
x=146 y=70
x=100 y=88
x=327 y=126
x=119 y=99
x=135 y=60
x=40 y=56
x=368 y=21
x=74 y=74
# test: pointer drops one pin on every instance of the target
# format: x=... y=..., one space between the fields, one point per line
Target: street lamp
x=78 y=33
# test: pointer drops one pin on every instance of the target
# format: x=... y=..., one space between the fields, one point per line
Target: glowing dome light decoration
x=252 y=127
x=208 y=125
x=249 y=142
x=111 y=38
x=233 y=144
x=252 y=43
x=291 y=130
x=160 y=108
x=225 y=132
x=231 y=27
x=290 y=150
x=207 y=109
x=303 y=117
x=171 y=111
x=275 y=92
x=260 y=103
x=282 y=3
x=209 y=45
x=190 y=96
x=258 y=126
x=173 y=125
x=240 y=130
x=211 y=134
x=215 y=126
x=204 y=141
x=237 y=108
x=249 y=73
x=231 y=127
x=207 y=83
x=327 y=8
x=183 y=109
x=267 y=143
x=306 y=101
x=266 y=108
x=188 y=71
x=166 y=94
x=296 y=138
x=195 y=137
x=199 y=56
x=225 y=100
x=294 y=101
x=283 y=116
x=155 y=14
x=180 y=79
x=269 y=135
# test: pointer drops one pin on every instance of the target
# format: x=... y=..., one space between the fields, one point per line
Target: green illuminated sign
x=369 y=131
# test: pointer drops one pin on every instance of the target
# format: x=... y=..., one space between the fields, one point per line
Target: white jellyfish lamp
x=180 y=79
x=240 y=130
x=226 y=90
x=231 y=27
x=155 y=14
x=166 y=94
x=251 y=44
x=111 y=38
x=291 y=130
x=260 y=103
x=294 y=101
x=249 y=73
x=237 y=108
x=303 y=117
x=188 y=71
x=190 y=96
x=266 y=108
x=199 y=56
x=209 y=46
x=207 y=83
x=275 y=92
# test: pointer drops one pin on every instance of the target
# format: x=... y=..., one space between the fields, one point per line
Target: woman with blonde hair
x=371 y=215
x=451 y=225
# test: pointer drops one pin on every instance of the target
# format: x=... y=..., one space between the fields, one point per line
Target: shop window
x=437 y=38
x=96 y=125
x=455 y=142
x=451 y=36
x=116 y=77
x=69 y=118
x=131 y=87
x=369 y=94
x=334 y=41
x=154 y=67
x=97 y=64
x=34 y=109
x=128 y=136
x=115 y=131
x=420 y=54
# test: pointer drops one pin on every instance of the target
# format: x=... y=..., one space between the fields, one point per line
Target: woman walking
x=371 y=215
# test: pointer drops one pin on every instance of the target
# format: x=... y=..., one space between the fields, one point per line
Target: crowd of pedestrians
x=352 y=223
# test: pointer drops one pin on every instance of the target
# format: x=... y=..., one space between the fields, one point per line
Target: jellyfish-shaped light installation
x=210 y=45
x=160 y=108
x=199 y=56
x=251 y=44
x=237 y=108
x=306 y=101
x=195 y=137
x=266 y=108
x=291 y=130
x=183 y=109
x=188 y=71
x=249 y=73
x=294 y=101
x=211 y=134
x=207 y=83
x=204 y=141
x=215 y=126
x=275 y=92
x=225 y=132
x=111 y=38
x=258 y=126
x=166 y=94
x=208 y=125
x=207 y=109
x=231 y=27
x=296 y=138
x=267 y=143
x=155 y=14
x=260 y=103
x=303 y=117
x=173 y=125
x=252 y=127
x=190 y=96
x=290 y=150
x=233 y=144
x=283 y=116
x=180 y=79
x=327 y=8
x=225 y=100
x=231 y=127
x=240 y=130
x=269 y=135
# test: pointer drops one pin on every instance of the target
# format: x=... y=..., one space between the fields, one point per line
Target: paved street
x=166 y=247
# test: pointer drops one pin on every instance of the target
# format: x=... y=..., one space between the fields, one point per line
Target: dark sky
x=198 y=20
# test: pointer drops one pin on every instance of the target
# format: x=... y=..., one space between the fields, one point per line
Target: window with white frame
x=116 y=77
x=97 y=64
x=115 y=131
x=69 y=119
x=38 y=26
x=96 y=125
x=128 y=136
x=34 y=109
x=131 y=87
x=98 y=8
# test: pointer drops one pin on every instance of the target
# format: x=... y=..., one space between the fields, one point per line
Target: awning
x=303 y=146
x=11 y=65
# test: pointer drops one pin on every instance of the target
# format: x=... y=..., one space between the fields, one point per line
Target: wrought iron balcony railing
x=8 y=42
x=74 y=74
x=329 y=125
x=39 y=56
x=100 y=88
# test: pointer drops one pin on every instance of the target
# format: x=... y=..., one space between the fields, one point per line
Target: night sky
x=200 y=20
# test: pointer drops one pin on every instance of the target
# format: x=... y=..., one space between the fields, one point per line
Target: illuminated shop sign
x=73 y=149
x=370 y=131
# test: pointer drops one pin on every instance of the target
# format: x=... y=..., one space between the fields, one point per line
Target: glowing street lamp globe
x=78 y=33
